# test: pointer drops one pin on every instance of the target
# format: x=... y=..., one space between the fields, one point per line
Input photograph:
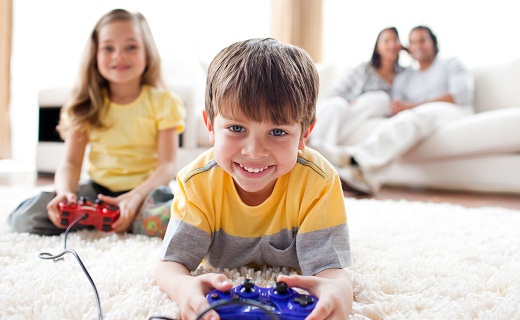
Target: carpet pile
x=411 y=260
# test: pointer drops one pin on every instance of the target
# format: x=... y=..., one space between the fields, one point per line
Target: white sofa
x=478 y=153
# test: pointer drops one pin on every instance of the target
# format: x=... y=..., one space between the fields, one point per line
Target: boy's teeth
x=255 y=170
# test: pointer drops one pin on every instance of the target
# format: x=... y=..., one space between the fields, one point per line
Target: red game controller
x=99 y=215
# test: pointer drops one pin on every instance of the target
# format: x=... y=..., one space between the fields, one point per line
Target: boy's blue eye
x=278 y=132
x=107 y=49
x=236 y=128
x=131 y=47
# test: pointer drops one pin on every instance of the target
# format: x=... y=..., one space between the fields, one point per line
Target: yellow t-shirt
x=302 y=225
x=124 y=155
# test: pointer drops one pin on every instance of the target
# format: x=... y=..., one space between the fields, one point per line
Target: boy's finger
x=318 y=313
x=222 y=283
x=296 y=281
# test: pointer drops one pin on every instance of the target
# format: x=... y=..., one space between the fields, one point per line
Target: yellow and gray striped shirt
x=302 y=225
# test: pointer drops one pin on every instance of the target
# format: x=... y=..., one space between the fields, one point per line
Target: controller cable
x=48 y=256
x=216 y=305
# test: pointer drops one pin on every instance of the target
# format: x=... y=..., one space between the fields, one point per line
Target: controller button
x=214 y=296
x=280 y=288
x=235 y=297
x=304 y=300
x=65 y=213
x=247 y=286
x=107 y=219
x=64 y=222
x=105 y=228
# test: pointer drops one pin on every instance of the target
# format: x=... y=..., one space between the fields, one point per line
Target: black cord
x=48 y=256
x=72 y=225
x=242 y=302
x=216 y=305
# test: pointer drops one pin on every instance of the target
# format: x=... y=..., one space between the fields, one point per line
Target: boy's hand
x=332 y=287
x=192 y=296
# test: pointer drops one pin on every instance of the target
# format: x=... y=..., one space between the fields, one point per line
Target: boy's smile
x=254 y=171
x=255 y=154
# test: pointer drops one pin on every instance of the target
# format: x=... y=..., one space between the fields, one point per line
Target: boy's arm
x=189 y=292
x=333 y=288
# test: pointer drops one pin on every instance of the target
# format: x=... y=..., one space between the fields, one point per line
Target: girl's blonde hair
x=263 y=80
x=85 y=106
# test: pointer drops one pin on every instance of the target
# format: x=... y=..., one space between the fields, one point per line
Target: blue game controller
x=248 y=301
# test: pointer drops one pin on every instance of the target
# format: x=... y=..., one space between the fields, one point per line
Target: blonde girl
x=121 y=109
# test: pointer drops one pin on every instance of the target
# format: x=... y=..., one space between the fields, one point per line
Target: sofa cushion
x=490 y=132
x=496 y=87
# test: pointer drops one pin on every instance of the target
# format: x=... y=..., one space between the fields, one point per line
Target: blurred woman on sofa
x=362 y=93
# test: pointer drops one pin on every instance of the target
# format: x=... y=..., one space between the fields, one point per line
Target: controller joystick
x=280 y=288
x=98 y=214
x=248 y=286
x=280 y=300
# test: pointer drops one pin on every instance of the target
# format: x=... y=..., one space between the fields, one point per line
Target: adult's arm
x=350 y=85
x=461 y=83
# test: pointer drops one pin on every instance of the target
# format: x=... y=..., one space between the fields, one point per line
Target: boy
x=259 y=197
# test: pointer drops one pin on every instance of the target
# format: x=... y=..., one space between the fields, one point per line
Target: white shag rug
x=411 y=260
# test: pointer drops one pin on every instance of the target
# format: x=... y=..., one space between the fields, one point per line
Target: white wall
x=49 y=37
x=479 y=32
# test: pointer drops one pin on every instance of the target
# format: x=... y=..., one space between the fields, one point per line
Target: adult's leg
x=368 y=105
x=337 y=120
x=399 y=134
x=329 y=119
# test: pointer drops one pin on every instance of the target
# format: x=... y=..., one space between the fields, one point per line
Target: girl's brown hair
x=85 y=106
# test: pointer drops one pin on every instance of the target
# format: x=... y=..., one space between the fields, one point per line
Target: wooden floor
x=467 y=199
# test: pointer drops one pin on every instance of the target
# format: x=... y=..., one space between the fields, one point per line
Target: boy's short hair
x=263 y=80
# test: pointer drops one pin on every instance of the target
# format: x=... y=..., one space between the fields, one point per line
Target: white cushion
x=490 y=132
x=497 y=86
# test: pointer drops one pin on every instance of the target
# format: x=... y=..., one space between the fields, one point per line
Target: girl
x=362 y=93
x=120 y=108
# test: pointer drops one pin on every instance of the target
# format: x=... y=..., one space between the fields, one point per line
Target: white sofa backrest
x=497 y=86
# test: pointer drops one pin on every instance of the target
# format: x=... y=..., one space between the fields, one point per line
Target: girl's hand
x=128 y=207
x=53 y=209
x=334 y=294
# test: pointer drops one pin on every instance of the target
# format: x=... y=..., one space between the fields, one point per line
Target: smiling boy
x=259 y=196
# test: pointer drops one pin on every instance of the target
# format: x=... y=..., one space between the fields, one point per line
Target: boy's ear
x=209 y=126
x=305 y=136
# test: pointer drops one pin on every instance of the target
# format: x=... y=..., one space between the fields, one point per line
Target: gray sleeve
x=397 y=86
x=351 y=84
x=331 y=245
x=185 y=244
x=461 y=83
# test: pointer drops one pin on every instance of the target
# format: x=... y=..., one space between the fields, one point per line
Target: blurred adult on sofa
x=434 y=92
x=361 y=93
